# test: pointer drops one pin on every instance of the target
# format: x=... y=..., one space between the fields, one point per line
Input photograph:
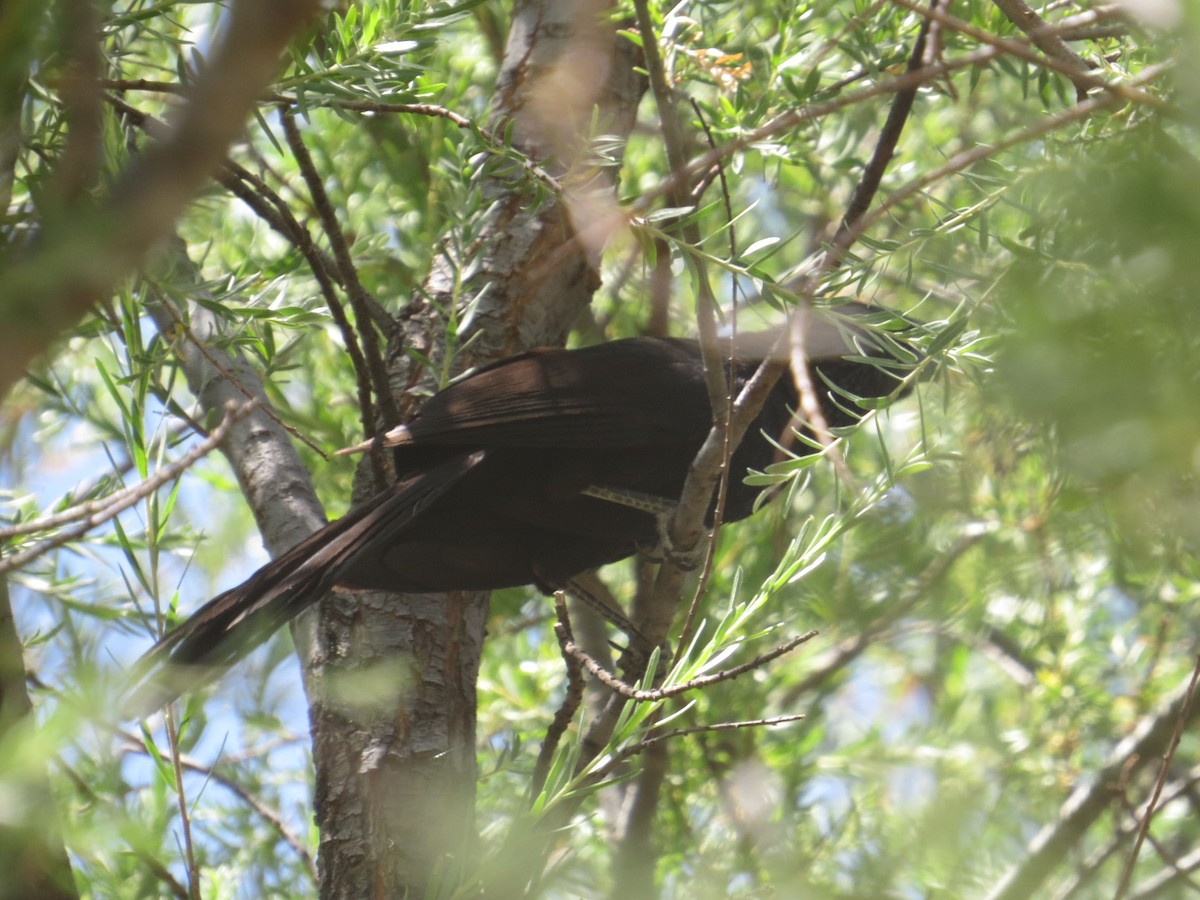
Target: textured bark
x=32 y=857
x=277 y=486
x=393 y=708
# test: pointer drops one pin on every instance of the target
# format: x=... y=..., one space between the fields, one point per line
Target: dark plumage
x=492 y=475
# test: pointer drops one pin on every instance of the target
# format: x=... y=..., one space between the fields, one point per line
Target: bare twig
x=686 y=527
x=628 y=691
x=1175 y=867
x=723 y=482
x=1149 y=739
x=1185 y=713
x=363 y=345
x=571 y=699
x=1020 y=14
x=175 y=87
x=860 y=201
x=1154 y=887
x=968 y=158
x=627 y=753
x=654 y=615
x=678 y=196
x=214 y=773
x=1086 y=872
x=95 y=513
x=810 y=403
x=1083 y=80
x=797 y=117
x=491 y=139
x=885 y=146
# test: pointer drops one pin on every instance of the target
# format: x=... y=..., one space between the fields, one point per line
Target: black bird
x=498 y=477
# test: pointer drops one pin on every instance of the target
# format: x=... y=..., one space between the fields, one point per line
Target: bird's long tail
x=232 y=624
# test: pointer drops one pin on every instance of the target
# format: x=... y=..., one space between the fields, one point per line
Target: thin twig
x=275 y=211
x=1087 y=871
x=678 y=195
x=1179 y=868
x=360 y=299
x=193 y=867
x=810 y=404
x=626 y=753
x=265 y=812
x=1020 y=14
x=176 y=87
x=1144 y=827
x=685 y=527
x=628 y=691
x=570 y=703
x=360 y=345
x=797 y=117
x=889 y=137
x=1149 y=738
x=96 y=513
x=710 y=552
x=1020 y=49
x=492 y=139
x=186 y=329
x=968 y=158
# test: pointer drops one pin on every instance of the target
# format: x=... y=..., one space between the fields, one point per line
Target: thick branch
x=82 y=254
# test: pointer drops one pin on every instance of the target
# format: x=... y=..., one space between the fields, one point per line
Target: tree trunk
x=392 y=686
x=32 y=857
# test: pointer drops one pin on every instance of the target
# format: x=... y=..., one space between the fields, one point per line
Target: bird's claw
x=665 y=552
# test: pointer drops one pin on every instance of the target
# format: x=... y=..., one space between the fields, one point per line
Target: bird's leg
x=606 y=609
x=649 y=503
x=597 y=599
x=662 y=510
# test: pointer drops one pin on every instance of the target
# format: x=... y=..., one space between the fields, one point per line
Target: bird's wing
x=639 y=392
x=622 y=394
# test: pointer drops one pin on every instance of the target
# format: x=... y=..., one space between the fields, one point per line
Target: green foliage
x=1003 y=575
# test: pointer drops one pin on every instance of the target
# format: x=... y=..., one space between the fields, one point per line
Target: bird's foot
x=664 y=550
